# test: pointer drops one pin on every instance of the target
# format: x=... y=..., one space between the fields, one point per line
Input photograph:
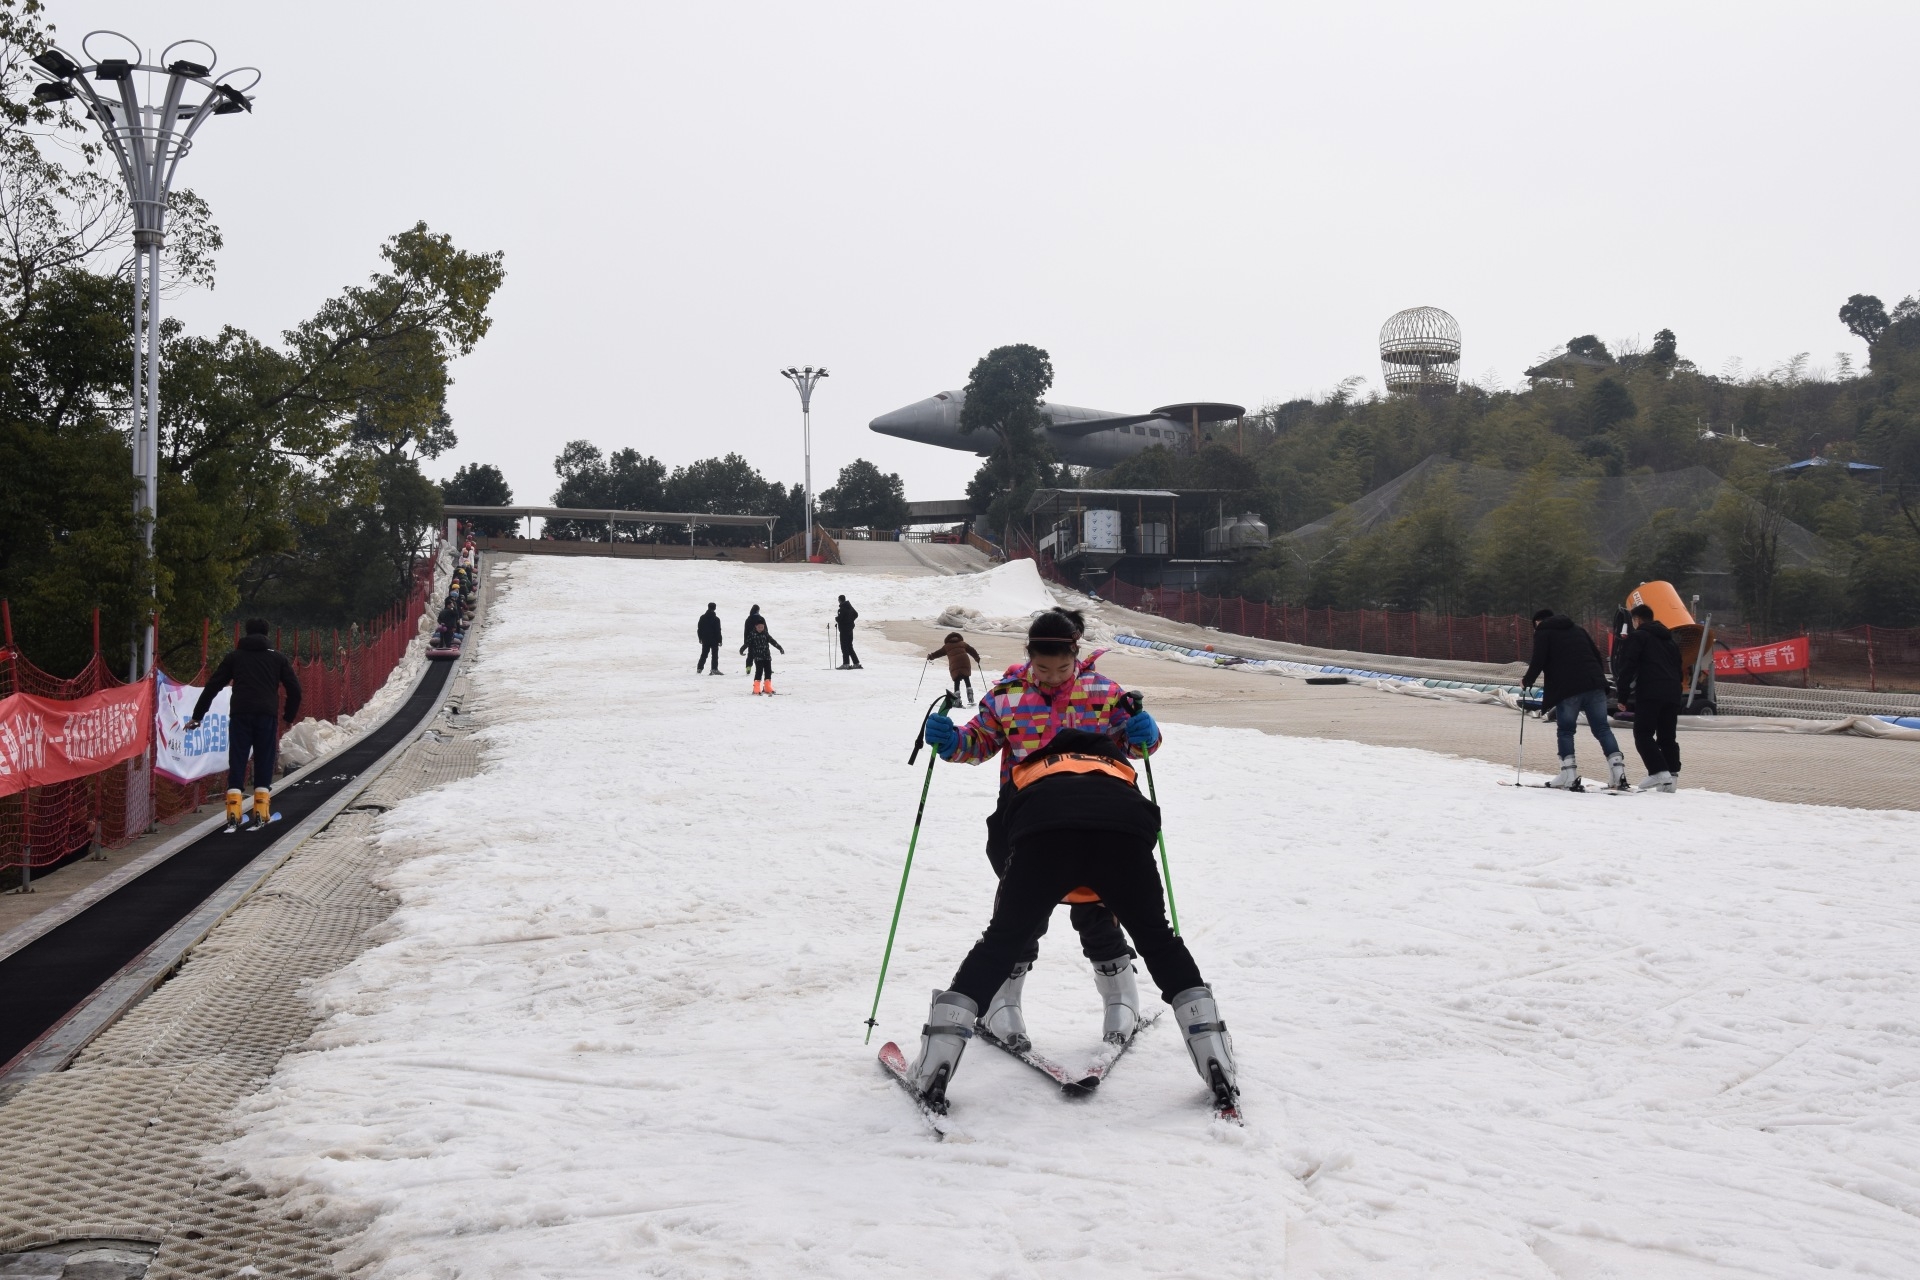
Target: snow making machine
x=1701 y=692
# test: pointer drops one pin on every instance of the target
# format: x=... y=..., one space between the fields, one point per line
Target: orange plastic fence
x=338 y=670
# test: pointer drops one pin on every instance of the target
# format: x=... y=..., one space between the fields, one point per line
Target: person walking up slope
x=960 y=658
x=844 y=620
x=257 y=672
x=760 y=657
x=1576 y=685
x=709 y=632
x=1647 y=674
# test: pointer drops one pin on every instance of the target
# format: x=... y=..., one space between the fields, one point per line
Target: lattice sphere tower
x=1420 y=350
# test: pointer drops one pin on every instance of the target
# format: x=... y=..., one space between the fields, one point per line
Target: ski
x=1104 y=1061
x=896 y=1064
x=1226 y=1099
x=1074 y=1086
x=247 y=824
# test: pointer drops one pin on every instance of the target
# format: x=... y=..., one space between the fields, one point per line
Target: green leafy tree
x=1590 y=346
x=1665 y=352
x=1668 y=548
x=864 y=496
x=1532 y=551
x=627 y=481
x=1004 y=393
x=727 y=486
x=481 y=484
x=1865 y=317
x=1750 y=518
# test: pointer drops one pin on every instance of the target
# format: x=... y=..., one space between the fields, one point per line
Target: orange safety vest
x=1028 y=772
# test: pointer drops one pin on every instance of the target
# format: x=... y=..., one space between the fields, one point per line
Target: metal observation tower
x=1420 y=351
x=147 y=140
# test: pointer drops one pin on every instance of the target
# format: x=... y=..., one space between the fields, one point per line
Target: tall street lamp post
x=147 y=141
x=804 y=380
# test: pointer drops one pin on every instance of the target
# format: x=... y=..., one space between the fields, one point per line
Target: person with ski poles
x=1016 y=717
x=758 y=647
x=1575 y=685
x=1648 y=674
x=960 y=658
x=746 y=631
x=1076 y=821
x=708 y=630
x=843 y=620
x=257 y=672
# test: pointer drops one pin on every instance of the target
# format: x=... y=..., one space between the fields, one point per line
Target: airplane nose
x=895 y=423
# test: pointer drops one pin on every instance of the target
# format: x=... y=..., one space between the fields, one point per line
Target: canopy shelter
x=1094 y=532
x=1807 y=464
x=689 y=519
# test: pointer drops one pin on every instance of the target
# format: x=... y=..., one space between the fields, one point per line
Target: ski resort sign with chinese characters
x=43 y=740
x=1763 y=659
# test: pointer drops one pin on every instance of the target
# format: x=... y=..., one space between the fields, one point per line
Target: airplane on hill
x=1082 y=437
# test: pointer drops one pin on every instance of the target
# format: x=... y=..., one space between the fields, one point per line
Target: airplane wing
x=1087 y=426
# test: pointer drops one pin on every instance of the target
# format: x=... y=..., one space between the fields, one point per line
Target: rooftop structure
x=1420 y=350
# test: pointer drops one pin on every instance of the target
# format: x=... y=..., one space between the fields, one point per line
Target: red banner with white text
x=48 y=740
x=1762 y=659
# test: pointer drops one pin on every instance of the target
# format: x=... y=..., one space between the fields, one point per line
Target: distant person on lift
x=257 y=671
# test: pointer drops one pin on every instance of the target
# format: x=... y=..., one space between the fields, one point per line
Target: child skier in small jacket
x=960 y=658
x=756 y=649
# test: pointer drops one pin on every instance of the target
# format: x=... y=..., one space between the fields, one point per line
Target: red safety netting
x=1872 y=658
x=338 y=670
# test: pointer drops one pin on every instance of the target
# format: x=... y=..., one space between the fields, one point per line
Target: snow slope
x=615 y=1027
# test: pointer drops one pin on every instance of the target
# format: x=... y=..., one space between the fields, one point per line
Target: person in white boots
x=1649 y=675
x=1054 y=689
x=1576 y=685
x=1077 y=820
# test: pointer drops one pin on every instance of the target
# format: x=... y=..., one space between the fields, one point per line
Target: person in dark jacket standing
x=844 y=620
x=1647 y=675
x=1576 y=685
x=257 y=672
x=709 y=631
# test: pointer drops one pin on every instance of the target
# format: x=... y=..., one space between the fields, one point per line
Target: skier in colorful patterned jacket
x=1076 y=825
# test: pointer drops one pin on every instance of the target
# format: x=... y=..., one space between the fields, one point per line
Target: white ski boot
x=1004 y=1021
x=1117 y=987
x=1569 y=779
x=942 y=1041
x=1661 y=781
x=1617 y=772
x=1207 y=1042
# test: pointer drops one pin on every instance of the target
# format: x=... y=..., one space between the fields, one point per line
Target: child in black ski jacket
x=758 y=654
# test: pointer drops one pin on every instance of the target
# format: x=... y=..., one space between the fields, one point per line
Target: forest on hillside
x=1567 y=442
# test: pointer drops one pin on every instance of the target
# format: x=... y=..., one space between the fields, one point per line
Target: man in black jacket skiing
x=1647 y=674
x=709 y=631
x=844 y=620
x=1576 y=685
x=257 y=672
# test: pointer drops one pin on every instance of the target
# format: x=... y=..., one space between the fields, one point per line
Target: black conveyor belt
x=54 y=973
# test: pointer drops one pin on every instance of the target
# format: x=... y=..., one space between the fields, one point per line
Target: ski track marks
x=614 y=1027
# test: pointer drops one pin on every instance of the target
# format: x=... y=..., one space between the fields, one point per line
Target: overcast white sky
x=1178 y=201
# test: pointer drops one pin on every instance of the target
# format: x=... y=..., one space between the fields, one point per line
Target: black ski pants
x=1116 y=865
x=1656 y=735
x=762 y=667
x=846 y=645
x=1101 y=939
x=708 y=651
x=256 y=736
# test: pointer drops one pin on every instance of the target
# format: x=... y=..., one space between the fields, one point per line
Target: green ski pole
x=945 y=702
x=1134 y=704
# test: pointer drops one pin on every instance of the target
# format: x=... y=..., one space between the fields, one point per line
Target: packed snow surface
x=615 y=1027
